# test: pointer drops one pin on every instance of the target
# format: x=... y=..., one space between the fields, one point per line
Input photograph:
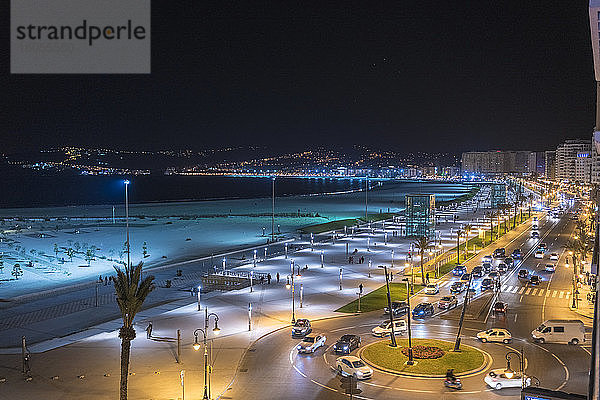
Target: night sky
x=412 y=76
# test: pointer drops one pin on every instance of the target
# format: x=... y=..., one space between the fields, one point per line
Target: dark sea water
x=24 y=188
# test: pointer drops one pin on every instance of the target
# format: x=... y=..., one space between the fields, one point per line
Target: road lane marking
x=562 y=293
x=522 y=290
x=555 y=293
x=533 y=292
x=504 y=287
x=515 y=289
x=567 y=295
x=541 y=293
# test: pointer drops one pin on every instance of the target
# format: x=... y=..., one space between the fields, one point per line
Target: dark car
x=422 y=310
x=494 y=275
x=487 y=284
x=523 y=274
x=516 y=254
x=477 y=271
x=346 y=344
x=465 y=277
x=487 y=267
x=447 y=302
x=534 y=280
x=457 y=287
x=535 y=235
x=498 y=253
x=500 y=307
x=398 y=308
x=502 y=268
x=301 y=328
x=459 y=270
x=509 y=262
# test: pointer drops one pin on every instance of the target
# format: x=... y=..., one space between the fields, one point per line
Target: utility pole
x=389 y=301
x=462 y=315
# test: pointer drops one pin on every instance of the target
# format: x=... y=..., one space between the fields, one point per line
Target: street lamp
x=223 y=265
x=293 y=287
x=196 y=347
x=369 y=270
x=126 y=182
x=273 y=211
x=255 y=258
x=392 y=259
x=341 y=272
x=389 y=301
x=321 y=258
x=509 y=372
x=286 y=250
x=410 y=352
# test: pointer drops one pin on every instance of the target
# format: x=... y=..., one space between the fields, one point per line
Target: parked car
x=353 y=366
x=539 y=254
x=457 y=287
x=465 y=277
x=502 y=268
x=501 y=378
x=477 y=271
x=447 y=302
x=311 y=343
x=487 y=284
x=487 y=259
x=534 y=280
x=500 y=307
x=423 y=310
x=523 y=274
x=549 y=267
x=346 y=344
x=385 y=328
x=495 y=335
x=554 y=257
x=459 y=270
x=398 y=307
x=487 y=267
x=301 y=328
x=432 y=288
x=516 y=254
x=570 y=331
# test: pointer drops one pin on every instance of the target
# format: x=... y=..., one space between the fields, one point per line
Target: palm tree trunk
x=422 y=273
x=125 y=352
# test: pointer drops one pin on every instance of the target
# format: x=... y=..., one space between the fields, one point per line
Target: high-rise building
x=495 y=162
x=566 y=158
x=536 y=163
x=550 y=164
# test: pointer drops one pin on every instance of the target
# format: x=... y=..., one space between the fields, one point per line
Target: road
x=273 y=369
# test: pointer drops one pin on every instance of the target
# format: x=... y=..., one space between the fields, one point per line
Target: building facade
x=567 y=156
x=495 y=162
x=550 y=164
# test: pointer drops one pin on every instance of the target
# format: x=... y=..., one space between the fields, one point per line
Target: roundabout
x=432 y=358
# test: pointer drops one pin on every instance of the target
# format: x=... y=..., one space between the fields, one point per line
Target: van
x=570 y=331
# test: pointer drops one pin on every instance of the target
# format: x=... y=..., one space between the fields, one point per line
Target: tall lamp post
x=509 y=372
x=410 y=352
x=389 y=301
x=273 y=210
x=292 y=286
x=126 y=182
x=196 y=346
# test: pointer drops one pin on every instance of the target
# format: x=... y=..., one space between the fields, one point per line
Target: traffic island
x=433 y=358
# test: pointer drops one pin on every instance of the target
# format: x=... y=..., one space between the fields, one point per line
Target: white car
x=550 y=267
x=353 y=366
x=311 y=343
x=487 y=259
x=501 y=378
x=539 y=254
x=495 y=335
x=432 y=288
x=554 y=257
x=385 y=328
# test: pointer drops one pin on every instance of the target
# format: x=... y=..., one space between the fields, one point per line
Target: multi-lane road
x=273 y=369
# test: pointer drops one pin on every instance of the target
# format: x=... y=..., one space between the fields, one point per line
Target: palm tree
x=131 y=293
x=422 y=244
x=491 y=215
x=573 y=247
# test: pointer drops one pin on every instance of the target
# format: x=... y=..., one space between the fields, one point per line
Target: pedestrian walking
x=105 y=280
x=269 y=279
x=427 y=278
x=360 y=288
x=277 y=277
x=149 y=331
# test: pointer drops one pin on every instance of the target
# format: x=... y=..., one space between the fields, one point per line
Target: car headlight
x=298 y=347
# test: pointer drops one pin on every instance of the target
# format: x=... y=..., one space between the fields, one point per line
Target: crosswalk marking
x=522 y=290
x=568 y=294
x=504 y=287
x=541 y=293
x=534 y=292
x=554 y=294
x=528 y=291
x=562 y=293
x=515 y=289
